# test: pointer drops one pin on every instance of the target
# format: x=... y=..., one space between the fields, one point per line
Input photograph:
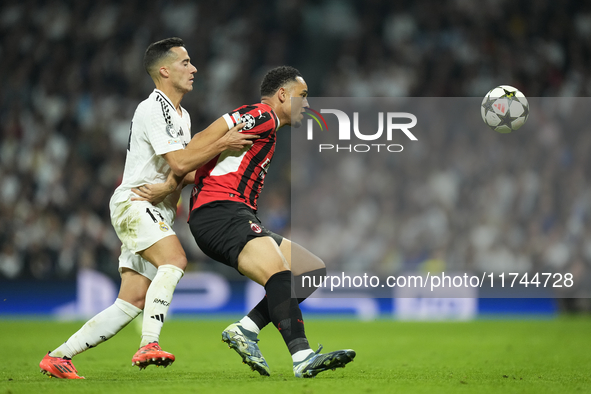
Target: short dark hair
x=158 y=50
x=276 y=78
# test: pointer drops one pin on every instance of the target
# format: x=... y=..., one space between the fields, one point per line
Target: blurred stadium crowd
x=72 y=76
x=460 y=199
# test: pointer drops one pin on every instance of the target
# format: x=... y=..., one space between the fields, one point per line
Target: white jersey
x=156 y=129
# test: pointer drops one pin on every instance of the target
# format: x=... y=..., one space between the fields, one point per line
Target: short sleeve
x=255 y=119
x=187 y=119
x=163 y=134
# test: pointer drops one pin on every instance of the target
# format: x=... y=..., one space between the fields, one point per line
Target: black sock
x=285 y=312
x=307 y=283
x=303 y=288
x=260 y=313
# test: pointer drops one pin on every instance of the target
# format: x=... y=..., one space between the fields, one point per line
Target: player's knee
x=275 y=263
x=319 y=263
x=278 y=265
x=179 y=261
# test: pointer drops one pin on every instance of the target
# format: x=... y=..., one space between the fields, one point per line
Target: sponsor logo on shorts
x=164 y=227
x=256 y=228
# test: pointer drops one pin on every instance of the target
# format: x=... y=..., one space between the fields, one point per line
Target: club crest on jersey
x=172 y=133
x=170 y=130
x=256 y=228
x=248 y=121
x=163 y=226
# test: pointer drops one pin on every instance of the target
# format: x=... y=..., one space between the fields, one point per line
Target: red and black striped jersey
x=239 y=176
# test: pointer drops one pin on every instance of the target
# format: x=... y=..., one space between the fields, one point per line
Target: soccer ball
x=504 y=109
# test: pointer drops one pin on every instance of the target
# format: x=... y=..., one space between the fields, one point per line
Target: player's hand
x=234 y=140
x=154 y=194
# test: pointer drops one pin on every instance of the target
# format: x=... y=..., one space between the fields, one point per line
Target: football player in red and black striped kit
x=224 y=223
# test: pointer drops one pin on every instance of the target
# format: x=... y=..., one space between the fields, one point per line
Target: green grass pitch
x=483 y=356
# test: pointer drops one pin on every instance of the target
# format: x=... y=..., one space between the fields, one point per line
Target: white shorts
x=139 y=225
x=133 y=261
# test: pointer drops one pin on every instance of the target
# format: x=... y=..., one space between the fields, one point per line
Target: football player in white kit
x=152 y=260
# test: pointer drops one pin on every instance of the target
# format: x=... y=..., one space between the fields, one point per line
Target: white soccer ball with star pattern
x=504 y=109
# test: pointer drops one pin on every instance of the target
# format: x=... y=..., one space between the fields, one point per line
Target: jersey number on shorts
x=149 y=212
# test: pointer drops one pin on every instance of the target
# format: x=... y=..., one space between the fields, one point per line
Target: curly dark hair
x=158 y=50
x=276 y=78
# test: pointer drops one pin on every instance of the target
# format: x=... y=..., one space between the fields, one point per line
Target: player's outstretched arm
x=203 y=147
x=157 y=192
x=207 y=144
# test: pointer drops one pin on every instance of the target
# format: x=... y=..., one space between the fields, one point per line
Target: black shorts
x=222 y=228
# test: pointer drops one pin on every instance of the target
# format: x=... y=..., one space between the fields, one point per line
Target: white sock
x=301 y=355
x=249 y=325
x=98 y=329
x=158 y=300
